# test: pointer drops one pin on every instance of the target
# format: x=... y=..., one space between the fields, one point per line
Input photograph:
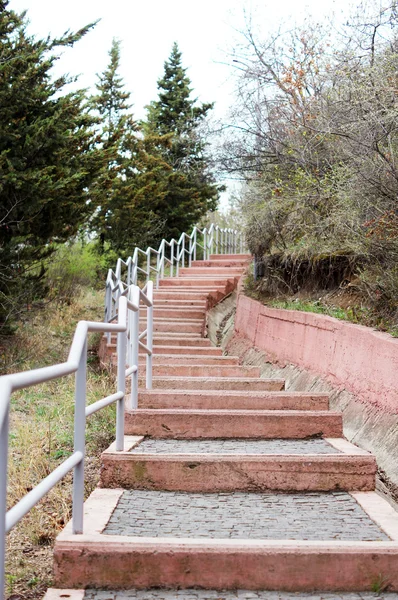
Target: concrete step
x=198 y=594
x=191 y=359
x=238 y=465
x=181 y=295
x=218 y=383
x=297 y=542
x=245 y=257
x=175 y=313
x=197 y=342
x=261 y=424
x=224 y=262
x=187 y=282
x=208 y=371
x=192 y=350
x=182 y=326
x=212 y=271
x=179 y=291
x=232 y=399
x=175 y=303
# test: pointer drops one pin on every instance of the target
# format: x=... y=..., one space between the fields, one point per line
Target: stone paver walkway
x=158 y=446
x=229 y=595
x=310 y=516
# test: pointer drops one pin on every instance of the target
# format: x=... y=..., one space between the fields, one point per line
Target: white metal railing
x=170 y=256
x=129 y=340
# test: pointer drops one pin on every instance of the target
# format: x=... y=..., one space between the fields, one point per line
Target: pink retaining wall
x=353 y=357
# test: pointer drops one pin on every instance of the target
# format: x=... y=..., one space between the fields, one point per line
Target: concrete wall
x=320 y=354
x=356 y=358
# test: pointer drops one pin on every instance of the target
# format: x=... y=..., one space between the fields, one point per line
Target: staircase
x=227 y=481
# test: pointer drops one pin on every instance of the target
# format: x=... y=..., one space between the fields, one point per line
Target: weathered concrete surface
x=216 y=383
x=223 y=399
x=359 y=358
x=264 y=424
x=226 y=473
x=364 y=423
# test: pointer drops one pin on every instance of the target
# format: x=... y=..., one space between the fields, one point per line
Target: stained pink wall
x=357 y=358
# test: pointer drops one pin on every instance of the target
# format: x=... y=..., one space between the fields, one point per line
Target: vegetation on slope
x=321 y=106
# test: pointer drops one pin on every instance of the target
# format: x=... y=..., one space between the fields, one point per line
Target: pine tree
x=132 y=178
x=191 y=187
x=48 y=156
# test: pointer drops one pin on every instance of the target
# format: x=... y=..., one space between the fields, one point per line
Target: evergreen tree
x=132 y=179
x=191 y=188
x=47 y=156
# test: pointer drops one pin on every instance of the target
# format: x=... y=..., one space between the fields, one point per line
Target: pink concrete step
x=261 y=424
x=192 y=359
x=246 y=257
x=212 y=271
x=166 y=340
x=141 y=467
x=217 y=383
x=99 y=558
x=176 y=303
x=179 y=326
x=193 y=350
x=181 y=295
x=175 y=313
x=225 y=262
x=189 y=370
x=187 y=282
x=232 y=399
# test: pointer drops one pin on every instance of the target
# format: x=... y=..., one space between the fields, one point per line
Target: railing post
x=149 y=336
x=134 y=333
x=148 y=265
x=205 y=244
x=3 y=496
x=183 y=251
x=195 y=235
x=79 y=441
x=190 y=252
x=172 y=258
x=121 y=376
x=108 y=309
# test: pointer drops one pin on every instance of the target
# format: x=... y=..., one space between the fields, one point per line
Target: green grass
x=41 y=435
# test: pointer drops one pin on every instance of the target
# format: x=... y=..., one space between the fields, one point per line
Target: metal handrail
x=127 y=329
x=210 y=240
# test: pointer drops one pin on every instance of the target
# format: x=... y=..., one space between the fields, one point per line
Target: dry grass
x=41 y=436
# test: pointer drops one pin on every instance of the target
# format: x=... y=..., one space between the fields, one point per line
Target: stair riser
x=159 y=424
x=214 y=383
x=245 y=257
x=174 y=327
x=170 y=341
x=176 y=359
x=187 y=282
x=179 y=295
x=220 y=263
x=202 y=371
x=211 y=271
x=232 y=402
x=161 y=563
x=201 y=473
x=198 y=351
x=169 y=313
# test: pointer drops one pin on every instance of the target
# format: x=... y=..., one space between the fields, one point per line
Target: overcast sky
x=205 y=30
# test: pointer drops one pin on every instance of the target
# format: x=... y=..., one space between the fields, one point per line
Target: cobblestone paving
x=153 y=446
x=309 y=516
x=230 y=595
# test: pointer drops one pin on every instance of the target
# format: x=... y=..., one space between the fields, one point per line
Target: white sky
x=205 y=31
